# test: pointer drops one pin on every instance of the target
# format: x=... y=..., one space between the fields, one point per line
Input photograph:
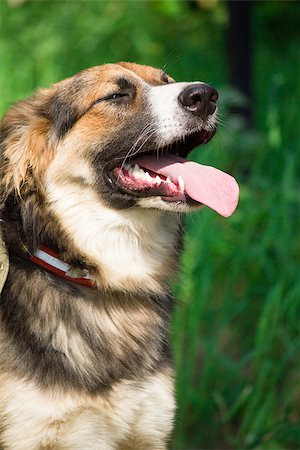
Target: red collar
x=50 y=260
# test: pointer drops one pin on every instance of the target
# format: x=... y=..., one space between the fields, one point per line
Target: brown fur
x=84 y=368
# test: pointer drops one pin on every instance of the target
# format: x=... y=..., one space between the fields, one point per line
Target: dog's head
x=94 y=127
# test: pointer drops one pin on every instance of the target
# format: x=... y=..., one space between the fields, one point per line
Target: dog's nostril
x=199 y=99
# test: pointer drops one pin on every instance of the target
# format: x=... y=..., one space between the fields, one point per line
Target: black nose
x=200 y=99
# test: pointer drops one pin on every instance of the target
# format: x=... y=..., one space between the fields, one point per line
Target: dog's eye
x=117 y=96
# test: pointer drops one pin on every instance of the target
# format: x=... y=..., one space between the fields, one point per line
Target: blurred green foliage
x=236 y=326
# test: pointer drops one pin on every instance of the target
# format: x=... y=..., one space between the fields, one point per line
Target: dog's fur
x=80 y=367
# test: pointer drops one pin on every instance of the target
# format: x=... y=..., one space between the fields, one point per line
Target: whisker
x=144 y=133
x=132 y=151
x=147 y=133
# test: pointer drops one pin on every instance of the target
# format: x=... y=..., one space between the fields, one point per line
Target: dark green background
x=235 y=331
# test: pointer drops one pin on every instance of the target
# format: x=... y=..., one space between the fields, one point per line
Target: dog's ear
x=61 y=111
x=25 y=144
x=66 y=104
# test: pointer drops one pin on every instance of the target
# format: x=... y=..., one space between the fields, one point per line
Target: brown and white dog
x=93 y=183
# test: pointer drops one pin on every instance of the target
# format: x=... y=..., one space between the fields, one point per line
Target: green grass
x=239 y=343
x=235 y=330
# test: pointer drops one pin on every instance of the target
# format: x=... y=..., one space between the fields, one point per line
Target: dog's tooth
x=168 y=180
x=127 y=166
x=136 y=171
x=148 y=176
x=158 y=180
x=181 y=184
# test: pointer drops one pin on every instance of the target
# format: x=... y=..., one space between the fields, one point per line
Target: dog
x=94 y=181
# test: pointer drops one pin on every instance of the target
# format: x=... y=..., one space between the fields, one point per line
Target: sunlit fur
x=88 y=368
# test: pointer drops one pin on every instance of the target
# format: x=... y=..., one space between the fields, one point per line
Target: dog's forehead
x=149 y=74
x=111 y=72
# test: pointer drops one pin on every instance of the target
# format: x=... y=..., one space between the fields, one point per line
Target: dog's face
x=104 y=118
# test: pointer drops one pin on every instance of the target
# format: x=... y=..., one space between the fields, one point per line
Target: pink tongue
x=212 y=187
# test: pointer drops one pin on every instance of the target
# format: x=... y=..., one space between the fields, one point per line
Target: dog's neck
x=126 y=249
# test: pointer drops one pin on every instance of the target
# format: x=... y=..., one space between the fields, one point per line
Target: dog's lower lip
x=150 y=186
x=182 y=198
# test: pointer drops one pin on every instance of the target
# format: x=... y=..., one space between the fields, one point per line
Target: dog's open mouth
x=167 y=174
